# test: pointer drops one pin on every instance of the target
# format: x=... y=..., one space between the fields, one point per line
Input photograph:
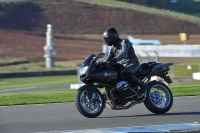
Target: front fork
x=91 y=90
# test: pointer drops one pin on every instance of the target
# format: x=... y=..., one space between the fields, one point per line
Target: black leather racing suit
x=124 y=53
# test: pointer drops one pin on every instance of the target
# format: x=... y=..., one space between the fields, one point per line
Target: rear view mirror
x=101 y=55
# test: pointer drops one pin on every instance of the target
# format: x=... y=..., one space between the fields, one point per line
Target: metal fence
x=183 y=70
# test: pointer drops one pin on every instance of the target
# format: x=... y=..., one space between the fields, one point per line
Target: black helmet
x=110 y=36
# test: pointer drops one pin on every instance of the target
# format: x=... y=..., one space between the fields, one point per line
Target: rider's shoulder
x=125 y=41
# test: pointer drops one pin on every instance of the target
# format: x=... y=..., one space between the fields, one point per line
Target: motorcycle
x=118 y=94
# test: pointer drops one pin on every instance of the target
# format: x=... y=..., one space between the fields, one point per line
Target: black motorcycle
x=119 y=94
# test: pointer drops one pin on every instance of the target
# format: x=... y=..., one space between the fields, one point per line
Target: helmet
x=110 y=36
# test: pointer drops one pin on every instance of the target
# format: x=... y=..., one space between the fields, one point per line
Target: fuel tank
x=103 y=75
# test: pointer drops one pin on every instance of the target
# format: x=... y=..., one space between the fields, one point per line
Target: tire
x=83 y=109
x=153 y=96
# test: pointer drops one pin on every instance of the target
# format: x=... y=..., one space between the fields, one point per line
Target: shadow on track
x=167 y=114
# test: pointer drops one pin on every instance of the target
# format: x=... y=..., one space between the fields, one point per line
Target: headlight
x=83 y=70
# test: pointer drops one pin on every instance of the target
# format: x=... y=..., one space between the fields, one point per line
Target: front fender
x=90 y=88
x=86 y=87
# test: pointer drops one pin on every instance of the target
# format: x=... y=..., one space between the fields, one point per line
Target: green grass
x=186 y=9
x=67 y=95
x=196 y=0
x=131 y=6
x=189 y=89
x=180 y=70
x=10 y=83
x=37 y=97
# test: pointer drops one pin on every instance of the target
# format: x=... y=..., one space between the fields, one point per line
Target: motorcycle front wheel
x=89 y=107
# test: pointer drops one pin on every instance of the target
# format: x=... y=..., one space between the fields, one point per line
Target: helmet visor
x=108 y=41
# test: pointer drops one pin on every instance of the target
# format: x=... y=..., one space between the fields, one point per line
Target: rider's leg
x=127 y=74
x=143 y=86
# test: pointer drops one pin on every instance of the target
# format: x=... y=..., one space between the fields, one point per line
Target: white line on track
x=17 y=89
x=36 y=104
x=148 y=128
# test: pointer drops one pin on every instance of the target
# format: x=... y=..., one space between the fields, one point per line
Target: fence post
x=157 y=56
x=199 y=67
x=174 y=71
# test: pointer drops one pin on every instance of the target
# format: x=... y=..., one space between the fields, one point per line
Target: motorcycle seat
x=143 y=72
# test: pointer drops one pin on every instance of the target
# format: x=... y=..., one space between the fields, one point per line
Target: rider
x=122 y=52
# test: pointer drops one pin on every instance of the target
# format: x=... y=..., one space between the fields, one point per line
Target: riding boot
x=143 y=86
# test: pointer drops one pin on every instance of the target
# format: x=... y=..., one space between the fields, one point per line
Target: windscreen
x=87 y=60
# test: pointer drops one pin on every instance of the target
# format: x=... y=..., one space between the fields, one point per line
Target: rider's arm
x=125 y=45
x=111 y=55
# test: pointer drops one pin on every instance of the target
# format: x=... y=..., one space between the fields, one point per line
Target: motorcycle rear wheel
x=88 y=107
x=159 y=98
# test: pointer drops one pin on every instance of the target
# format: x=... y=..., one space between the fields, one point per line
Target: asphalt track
x=62 y=117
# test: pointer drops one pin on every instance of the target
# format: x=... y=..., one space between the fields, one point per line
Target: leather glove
x=98 y=63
